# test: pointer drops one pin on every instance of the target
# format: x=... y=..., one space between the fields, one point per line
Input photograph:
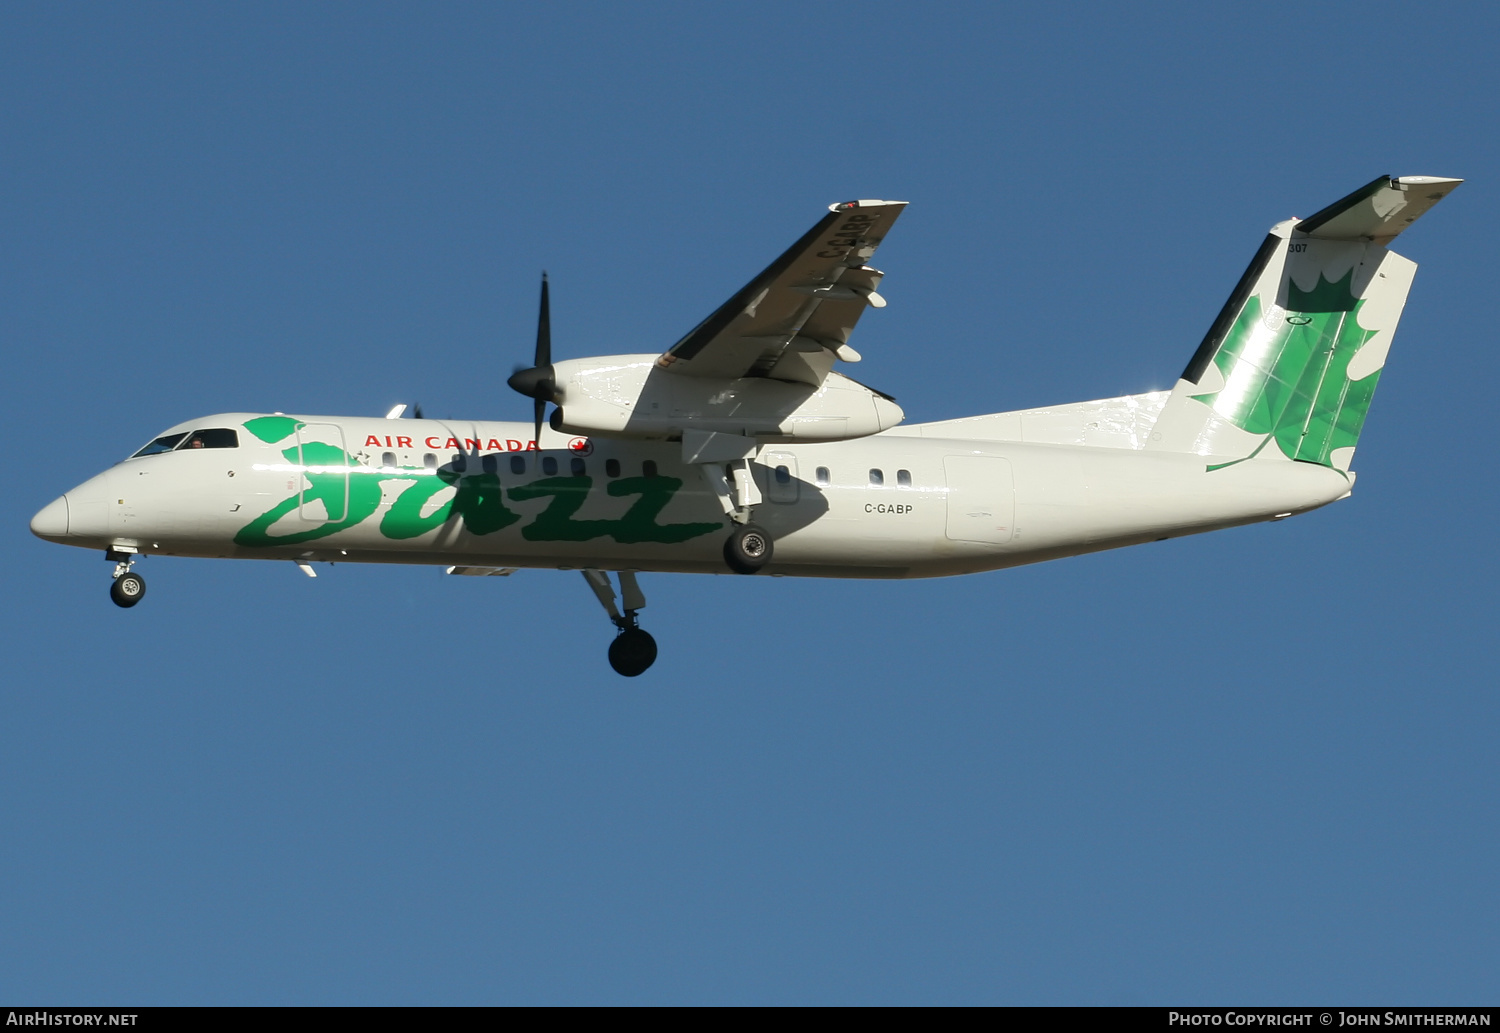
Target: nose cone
x=52 y=521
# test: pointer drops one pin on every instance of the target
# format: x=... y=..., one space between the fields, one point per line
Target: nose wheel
x=127 y=589
x=633 y=650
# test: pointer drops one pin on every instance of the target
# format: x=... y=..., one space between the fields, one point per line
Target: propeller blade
x=539 y=381
x=416 y=411
x=544 y=329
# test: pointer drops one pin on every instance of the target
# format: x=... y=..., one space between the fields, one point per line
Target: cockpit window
x=165 y=443
x=217 y=438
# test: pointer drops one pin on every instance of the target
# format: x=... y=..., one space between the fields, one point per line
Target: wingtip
x=844 y=206
x=1428 y=181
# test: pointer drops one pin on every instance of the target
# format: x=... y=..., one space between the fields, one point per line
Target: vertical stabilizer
x=1289 y=367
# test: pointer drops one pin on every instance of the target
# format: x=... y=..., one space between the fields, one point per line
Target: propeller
x=539 y=382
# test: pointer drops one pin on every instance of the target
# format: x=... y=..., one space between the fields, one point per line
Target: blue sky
x=1256 y=766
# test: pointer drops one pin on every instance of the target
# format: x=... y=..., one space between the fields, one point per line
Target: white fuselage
x=917 y=501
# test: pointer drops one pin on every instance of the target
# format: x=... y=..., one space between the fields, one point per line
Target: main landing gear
x=747 y=549
x=127 y=589
x=633 y=649
x=749 y=546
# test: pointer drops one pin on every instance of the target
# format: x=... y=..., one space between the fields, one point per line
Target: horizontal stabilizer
x=1380 y=210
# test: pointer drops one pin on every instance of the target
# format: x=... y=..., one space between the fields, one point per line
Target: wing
x=791 y=321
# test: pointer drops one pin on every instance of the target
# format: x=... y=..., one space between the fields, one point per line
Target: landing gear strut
x=749 y=545
x=127 y=589
x=633 y=649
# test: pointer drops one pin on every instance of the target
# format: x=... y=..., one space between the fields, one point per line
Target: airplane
x=741 y=449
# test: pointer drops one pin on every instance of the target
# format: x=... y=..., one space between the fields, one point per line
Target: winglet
x=1379 y=210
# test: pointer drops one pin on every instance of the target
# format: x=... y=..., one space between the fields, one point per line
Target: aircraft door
x=781 y=476
x=981 y=499
x=325 y=472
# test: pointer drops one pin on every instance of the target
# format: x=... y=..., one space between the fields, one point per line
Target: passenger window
x=549 y=466
x=648 y=468
x=430 y=461
x=822 y=476
x=903 y=478
x=517 y=464
x=165 y=443
x=783 y=475
x=577 y=466
x=388 y=460
x=460 y=462
x=218 y=438
x=876 y=478
x=612 y=467
x=490 y=464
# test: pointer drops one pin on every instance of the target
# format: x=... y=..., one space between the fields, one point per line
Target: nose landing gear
x=633 y=650
x=127 y=589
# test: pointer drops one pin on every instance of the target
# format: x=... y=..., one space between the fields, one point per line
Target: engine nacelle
x=629 y=396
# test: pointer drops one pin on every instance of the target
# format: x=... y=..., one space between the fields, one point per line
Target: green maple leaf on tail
x=1299 y=389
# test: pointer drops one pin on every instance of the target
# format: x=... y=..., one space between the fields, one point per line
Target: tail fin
x=1295 y=354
